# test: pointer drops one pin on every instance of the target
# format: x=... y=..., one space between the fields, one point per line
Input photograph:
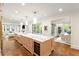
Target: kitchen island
x=35 y=43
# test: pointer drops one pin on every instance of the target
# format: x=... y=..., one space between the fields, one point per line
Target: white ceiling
x=44 y=10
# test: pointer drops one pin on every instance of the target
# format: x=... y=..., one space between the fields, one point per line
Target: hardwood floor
x=10 y=49
x=74 y=52
x=0 y=52
x=61 y=50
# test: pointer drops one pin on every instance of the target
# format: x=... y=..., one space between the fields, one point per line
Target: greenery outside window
x=36 y=28
x=67 y=28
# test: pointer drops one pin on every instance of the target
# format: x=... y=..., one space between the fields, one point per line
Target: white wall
x=48 y=24
x=74 y=28
x=43 y=23
x=74 y=20
x=75 y=31
x=30 y=28
x=57 y=20
x=11 y=25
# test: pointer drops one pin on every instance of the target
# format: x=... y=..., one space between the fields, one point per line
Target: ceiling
x=18 y=12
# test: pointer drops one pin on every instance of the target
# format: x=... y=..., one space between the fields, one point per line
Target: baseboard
x=75 y=47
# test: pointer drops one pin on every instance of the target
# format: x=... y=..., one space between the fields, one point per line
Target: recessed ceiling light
x=60 y=9
x=16 y=12
x=23 y=4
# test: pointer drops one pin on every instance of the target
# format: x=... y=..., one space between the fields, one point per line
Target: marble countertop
x=38 y=37
x=61 y=41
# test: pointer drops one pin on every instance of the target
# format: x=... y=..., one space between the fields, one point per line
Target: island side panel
x=25 y=42
x=45 y=48
x=28 y=44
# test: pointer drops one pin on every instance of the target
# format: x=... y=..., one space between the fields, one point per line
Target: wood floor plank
x=11 y=49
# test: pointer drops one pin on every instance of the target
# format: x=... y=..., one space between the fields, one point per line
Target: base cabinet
x=42 y=48
x=27 y=43
x=33 y=46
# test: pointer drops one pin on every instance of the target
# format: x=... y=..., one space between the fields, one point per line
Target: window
x=67 y=28
x=36 y=28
